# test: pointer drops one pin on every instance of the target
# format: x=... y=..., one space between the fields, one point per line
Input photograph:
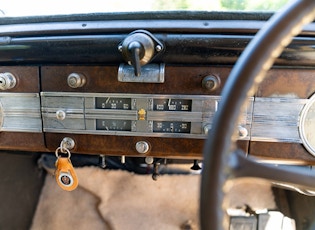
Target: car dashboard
x=148 y=85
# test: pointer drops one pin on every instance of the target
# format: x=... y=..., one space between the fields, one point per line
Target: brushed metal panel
x=20 y=112
x=81 y=114
x=276 y=119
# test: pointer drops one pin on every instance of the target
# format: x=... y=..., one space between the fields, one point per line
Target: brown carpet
x=120 y=200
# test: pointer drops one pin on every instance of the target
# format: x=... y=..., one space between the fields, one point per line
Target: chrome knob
x=67 y=143
x=61 y=115
x=76 y=80
x=206 y=129
x=242 y=132
x=211 y=83
x=149 y=160
x=142 y=147
x=7 y=81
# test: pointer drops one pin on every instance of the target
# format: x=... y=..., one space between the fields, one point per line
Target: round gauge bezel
x=306 y=143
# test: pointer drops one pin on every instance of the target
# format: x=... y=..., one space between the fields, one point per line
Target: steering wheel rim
x=248 y=72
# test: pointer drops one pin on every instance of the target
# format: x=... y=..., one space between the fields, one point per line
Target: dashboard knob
x=142 y=147
x=242 y=132
x=211 y=82
x=76 y=80
x=67 y=143
x=149 y=160
x=61 y=115
x=7 y=81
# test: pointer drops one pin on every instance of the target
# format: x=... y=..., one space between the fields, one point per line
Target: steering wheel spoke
x=298 y=177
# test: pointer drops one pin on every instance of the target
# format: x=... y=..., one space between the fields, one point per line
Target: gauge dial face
x=172 y=105
x=171 y=127
x=113 y=125
x=307 y=125
x=113 y=103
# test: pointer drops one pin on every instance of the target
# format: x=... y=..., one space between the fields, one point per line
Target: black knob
x=136 y=50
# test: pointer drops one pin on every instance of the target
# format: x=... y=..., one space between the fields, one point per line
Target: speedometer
x=307 y=125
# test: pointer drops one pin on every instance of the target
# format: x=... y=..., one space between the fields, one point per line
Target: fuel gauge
x=113 y=125
x=172 y=105
x=171 y=127
x=113 y=103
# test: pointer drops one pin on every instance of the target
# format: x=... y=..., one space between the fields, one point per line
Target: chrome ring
x=65 y=182
x=62 y=150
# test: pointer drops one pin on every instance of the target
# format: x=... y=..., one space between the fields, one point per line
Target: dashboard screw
x=158 y=48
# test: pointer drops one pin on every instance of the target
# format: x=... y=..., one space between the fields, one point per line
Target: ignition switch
x=139 y=48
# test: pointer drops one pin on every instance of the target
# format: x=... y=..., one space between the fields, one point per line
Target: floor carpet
x=114 y=200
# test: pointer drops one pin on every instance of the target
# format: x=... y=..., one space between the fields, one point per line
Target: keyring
x=61 y=150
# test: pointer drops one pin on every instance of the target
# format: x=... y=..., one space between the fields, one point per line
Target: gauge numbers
x=172 y=105
x=113 y=103
x=171 y=127
x=113 y=125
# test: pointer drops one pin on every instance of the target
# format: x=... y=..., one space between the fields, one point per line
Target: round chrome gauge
x=1 y=116
x=307 y=125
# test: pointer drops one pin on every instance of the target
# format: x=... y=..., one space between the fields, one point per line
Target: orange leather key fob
x=65 y=175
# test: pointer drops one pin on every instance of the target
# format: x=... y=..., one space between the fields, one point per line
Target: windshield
x=14 y=8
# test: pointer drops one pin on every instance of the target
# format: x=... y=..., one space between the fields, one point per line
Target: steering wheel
x=222 y=160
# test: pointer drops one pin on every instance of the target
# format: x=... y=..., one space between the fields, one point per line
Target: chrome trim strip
x=276 y=119
x=67 y=110
x=25 y=113
x=110 y=112
x=124 y=133
x=20 y=112
x=68 y=116
x=133 y=96
x=202 y=110
x=24 y=95
x=113 y=116
x=175 y=116
x=266 y=119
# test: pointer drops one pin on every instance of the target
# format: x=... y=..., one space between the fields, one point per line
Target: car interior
x=200 y=100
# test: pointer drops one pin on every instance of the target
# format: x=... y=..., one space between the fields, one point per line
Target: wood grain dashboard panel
x=27 y=78
x=288 y=152
x=119 y=145
x=103 y=79
x=297 y=83
x=20 y=141
x=284 y=82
